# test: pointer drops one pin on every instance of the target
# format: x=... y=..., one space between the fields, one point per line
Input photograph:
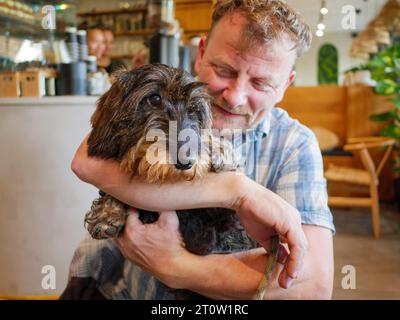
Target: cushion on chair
x=327 y=139
x=350 y=175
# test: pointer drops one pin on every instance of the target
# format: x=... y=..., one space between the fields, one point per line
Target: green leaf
x=388 y=61
x=392 y=131
x=397 y=62
x=383 y=116
x=396 y=102
x=396 y=170
x=386 y=87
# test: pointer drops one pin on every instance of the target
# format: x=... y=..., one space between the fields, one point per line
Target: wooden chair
x=368 y=176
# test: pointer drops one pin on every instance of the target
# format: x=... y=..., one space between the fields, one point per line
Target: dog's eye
x=154 y=100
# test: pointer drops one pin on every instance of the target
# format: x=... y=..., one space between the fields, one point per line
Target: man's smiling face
x=245 y=84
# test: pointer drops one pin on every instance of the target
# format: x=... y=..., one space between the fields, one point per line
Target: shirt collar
x=264 y=126
x=254 y=134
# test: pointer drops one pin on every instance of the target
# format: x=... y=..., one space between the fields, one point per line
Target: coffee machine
x=165 y=44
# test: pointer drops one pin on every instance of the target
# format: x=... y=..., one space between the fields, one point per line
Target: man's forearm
x=225 y=276
x=237 y=276
x=212 y=191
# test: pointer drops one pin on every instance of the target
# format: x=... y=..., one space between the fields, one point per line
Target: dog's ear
x=200 y=100
x=102 y=142
x=127 y=79
x=111 y=116
x=196 y=88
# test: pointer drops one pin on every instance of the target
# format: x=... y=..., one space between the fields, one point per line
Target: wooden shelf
x=20 y=27
x=136 y=33
x=191 y=2
x=122 y=56
x=197 y=31
x=111 y=12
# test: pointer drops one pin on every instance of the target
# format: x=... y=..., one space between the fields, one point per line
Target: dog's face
x=151 y=120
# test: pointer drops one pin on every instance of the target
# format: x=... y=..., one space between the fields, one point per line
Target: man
x=96 y=42
x=247 y=62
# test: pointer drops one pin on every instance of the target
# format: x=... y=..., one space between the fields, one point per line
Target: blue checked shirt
x=280 y=154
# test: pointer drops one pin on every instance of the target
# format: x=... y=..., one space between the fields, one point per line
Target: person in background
x=96 y=42
x=100 y=80
x=105 y=61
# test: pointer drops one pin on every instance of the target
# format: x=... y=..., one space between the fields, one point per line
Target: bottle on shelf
x=82 y=45
x=97 y=80
x=72 y=43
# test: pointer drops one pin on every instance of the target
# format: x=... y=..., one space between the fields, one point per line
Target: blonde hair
x=268 y=21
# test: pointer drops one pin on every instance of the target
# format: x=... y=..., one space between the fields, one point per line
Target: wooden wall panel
x=345 y=111
x=194 y=16
x=318 y=107
x=362 y=103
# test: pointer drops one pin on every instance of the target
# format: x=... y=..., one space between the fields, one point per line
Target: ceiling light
x=321 y=26
x=319 y=33
x=324 y=10
x=61 y=6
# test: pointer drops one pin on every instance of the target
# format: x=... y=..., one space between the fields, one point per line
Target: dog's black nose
x=181 y=166
x=188 y=163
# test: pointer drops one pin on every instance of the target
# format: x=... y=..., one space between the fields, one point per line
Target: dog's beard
x=161 y=168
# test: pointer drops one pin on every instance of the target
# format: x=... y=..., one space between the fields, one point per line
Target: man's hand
x=264 y=214
x=157 y=247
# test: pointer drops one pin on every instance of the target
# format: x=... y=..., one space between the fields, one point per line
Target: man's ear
x=200 y=54
x=291 y=79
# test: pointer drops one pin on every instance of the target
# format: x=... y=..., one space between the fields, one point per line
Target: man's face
x=96 y=44
x=108 y=41
x=245 y=84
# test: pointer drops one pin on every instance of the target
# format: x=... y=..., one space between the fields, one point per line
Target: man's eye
x=154 y=100
x=223 y=72
x=263 y=86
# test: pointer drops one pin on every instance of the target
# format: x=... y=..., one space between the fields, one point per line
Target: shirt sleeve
x=301 y=182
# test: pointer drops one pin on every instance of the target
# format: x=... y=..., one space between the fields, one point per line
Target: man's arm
x=262 y=212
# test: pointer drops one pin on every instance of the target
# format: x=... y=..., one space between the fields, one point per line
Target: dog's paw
x=106 y=218
x=104 y=230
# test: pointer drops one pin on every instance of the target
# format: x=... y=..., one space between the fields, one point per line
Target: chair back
x=363 y=144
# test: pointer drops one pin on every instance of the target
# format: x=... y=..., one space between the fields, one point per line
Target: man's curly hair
x=268 y=21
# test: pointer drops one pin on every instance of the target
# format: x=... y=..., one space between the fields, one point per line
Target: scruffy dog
x=148 y=100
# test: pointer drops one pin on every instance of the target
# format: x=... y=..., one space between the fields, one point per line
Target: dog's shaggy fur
x=142 y=100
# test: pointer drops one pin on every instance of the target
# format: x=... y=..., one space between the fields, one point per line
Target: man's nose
x=235 y=95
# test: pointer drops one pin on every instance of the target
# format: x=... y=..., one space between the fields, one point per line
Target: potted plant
x=385 y=70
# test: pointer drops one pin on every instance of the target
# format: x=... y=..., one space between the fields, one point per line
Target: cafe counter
x=42 y=202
